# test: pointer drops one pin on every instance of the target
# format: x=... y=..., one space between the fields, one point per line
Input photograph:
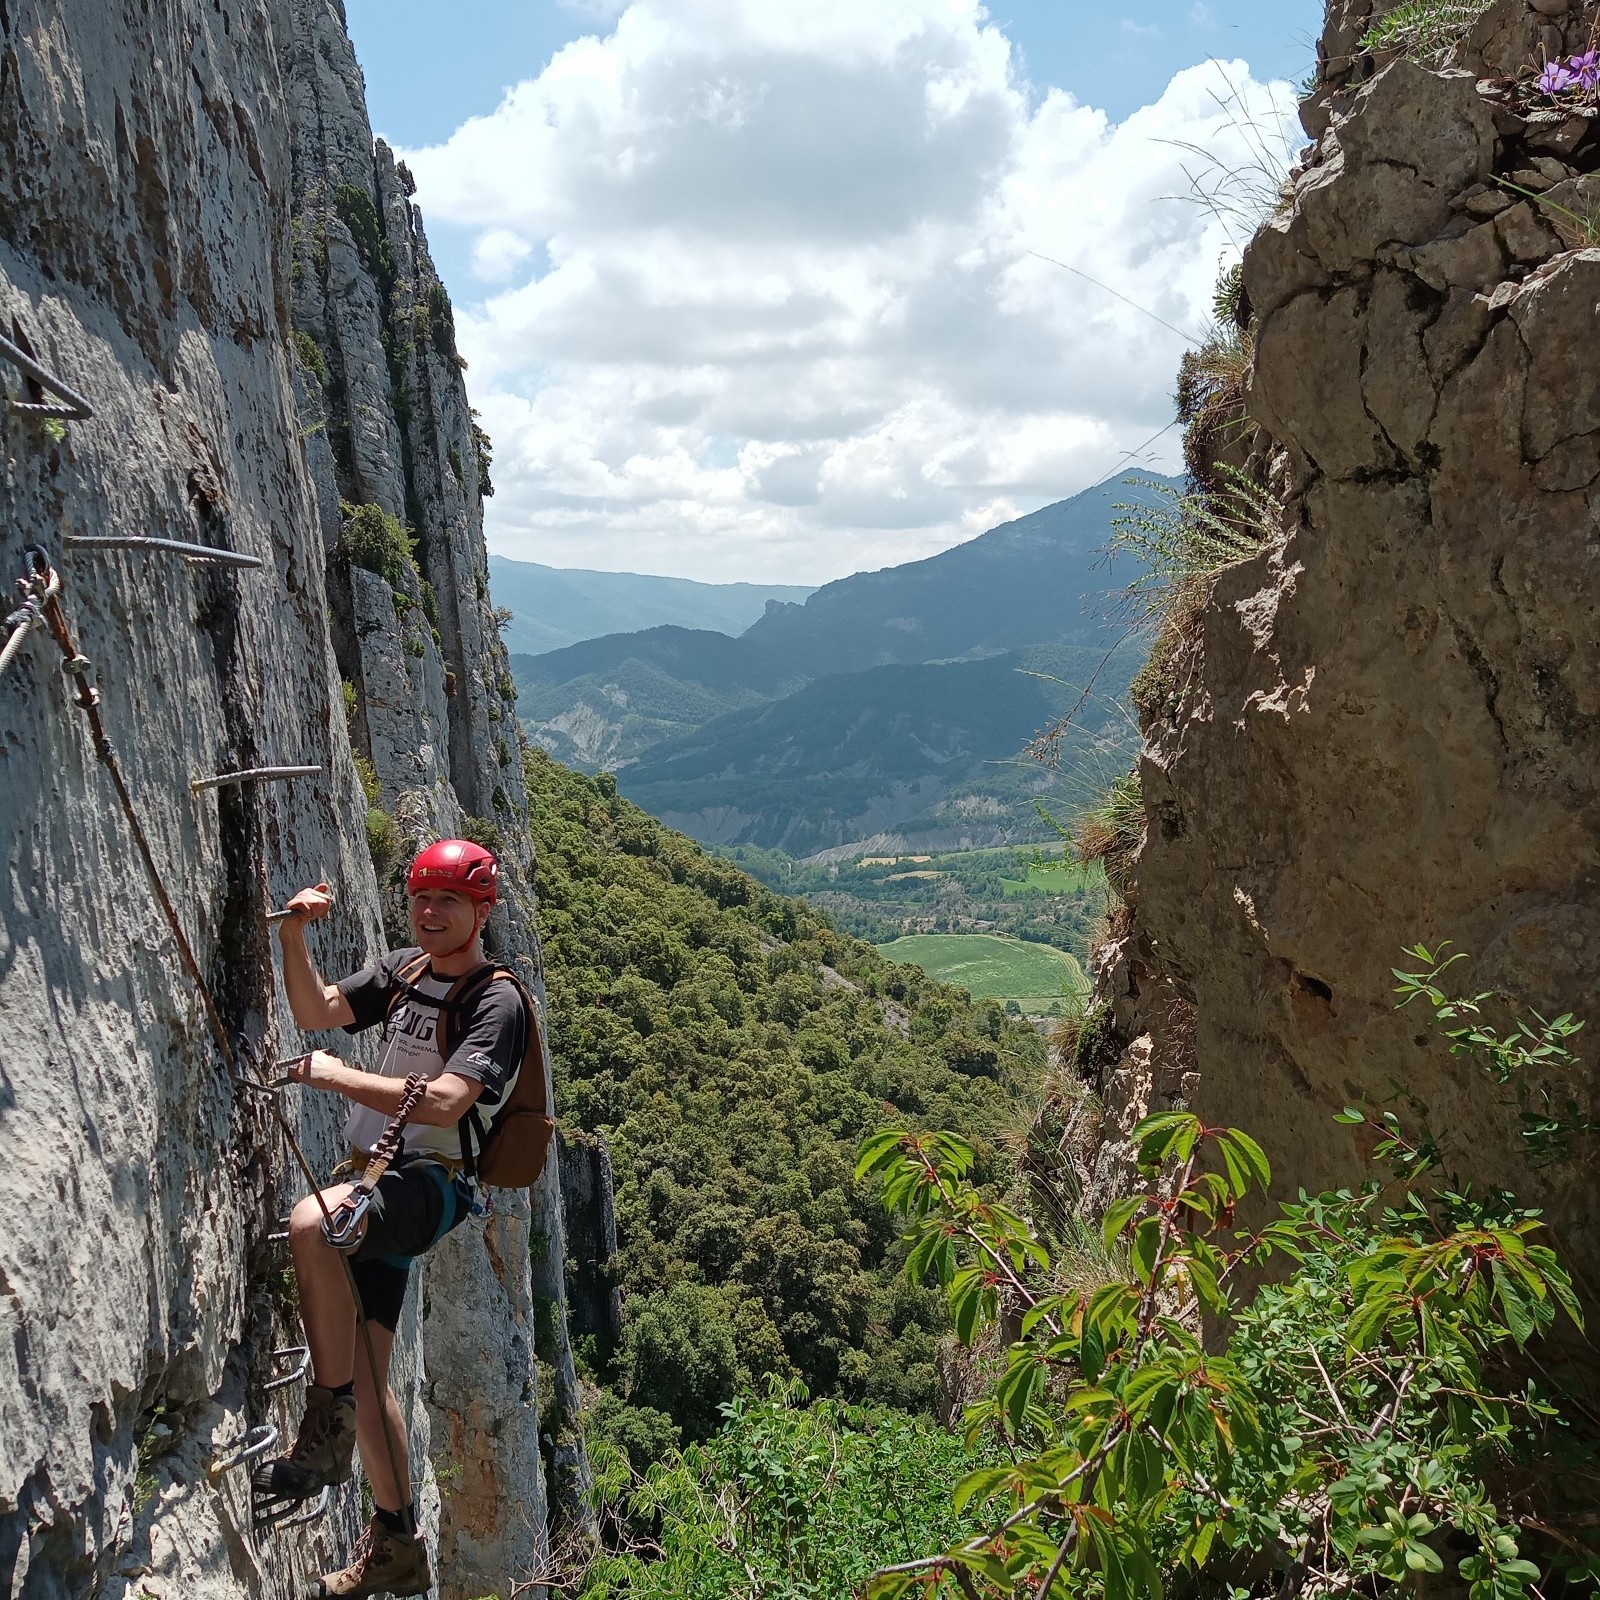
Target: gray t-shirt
x=491 y=1036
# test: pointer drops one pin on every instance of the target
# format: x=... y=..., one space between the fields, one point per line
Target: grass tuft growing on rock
x=1112 y=831
x=1426 y=29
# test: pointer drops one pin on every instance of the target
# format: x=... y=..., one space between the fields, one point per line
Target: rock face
x=1391 y=725
x=588 y=1194
x=220 y=258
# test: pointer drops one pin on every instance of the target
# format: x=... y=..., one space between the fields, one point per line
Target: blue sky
x=424 y=80
x=757 y=290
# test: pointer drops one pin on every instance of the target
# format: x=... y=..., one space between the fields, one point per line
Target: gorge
x=1377 y=725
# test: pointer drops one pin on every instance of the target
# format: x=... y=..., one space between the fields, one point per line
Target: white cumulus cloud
x=765 y=291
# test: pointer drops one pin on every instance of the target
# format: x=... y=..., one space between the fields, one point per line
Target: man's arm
x=314 y=1003
x=445 y=1101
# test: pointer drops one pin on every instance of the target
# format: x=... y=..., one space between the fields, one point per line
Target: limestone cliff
x=198 y=232
x=1385 y=727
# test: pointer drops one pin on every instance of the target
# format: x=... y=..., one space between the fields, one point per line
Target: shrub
x=373 y=539
x=1184 y=539
x=1211 y=384
x=678 y=1349
x=368 y=775
x=788 y=1501
x=430 y=603
x=310 y=356
x=1193 y=535
x=442 y=322
x=360 y=216
x=480 y=830
x=1380 y=1414
x=483 y=450
x=383 y=840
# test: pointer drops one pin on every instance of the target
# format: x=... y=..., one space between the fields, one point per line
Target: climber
x=426 y=1191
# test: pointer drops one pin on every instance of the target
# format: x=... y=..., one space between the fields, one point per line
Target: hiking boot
x=321 y=1452
x=384 y=1563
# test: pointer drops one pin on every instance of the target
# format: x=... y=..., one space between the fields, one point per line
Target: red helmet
x=456 y=864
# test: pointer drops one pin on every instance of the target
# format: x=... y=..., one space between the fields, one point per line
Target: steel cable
x=78 y=667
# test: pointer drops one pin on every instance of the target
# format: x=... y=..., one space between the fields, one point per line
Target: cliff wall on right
x=1384 y=727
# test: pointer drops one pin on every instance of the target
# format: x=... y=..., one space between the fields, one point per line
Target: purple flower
x=1555 y=78
x=1585 y=69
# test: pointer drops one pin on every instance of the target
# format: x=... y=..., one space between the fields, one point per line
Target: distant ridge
x=1039 y=579
x=556 y=606
x=889 y=702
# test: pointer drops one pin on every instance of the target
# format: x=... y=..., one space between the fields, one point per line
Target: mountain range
x=556 y=606
x=890 y=703
x=898 y=759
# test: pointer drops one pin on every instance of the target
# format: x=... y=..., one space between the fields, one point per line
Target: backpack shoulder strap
x=405 y=977
x=453 y=1006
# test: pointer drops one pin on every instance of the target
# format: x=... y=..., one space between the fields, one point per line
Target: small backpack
x=511 y=1152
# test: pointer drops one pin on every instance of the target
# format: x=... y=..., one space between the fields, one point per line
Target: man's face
x=442 y=921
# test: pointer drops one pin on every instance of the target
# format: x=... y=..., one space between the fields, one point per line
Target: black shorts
x=415 y=1204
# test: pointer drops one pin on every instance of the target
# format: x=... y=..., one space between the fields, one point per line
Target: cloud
x=762 y=302
x=498 y=253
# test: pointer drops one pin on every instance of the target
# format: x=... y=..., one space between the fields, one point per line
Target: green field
x=991 y=968
x=1058 y=877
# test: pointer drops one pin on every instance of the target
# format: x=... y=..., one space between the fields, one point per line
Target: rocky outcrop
x=198 y=231
x=588 y=1193
x=1389 y=722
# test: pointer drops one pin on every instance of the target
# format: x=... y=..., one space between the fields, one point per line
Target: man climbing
x=439 y=990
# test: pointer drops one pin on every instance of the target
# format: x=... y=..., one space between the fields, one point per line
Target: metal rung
x=75 y=409
x=255 y=1444
x=282 y=1235
x=255 y=1086
x=302 y=1367
x=252 y=775
x=268 y=1512
x=139 y=541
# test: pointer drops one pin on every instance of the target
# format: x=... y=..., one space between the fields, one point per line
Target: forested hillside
x=734 y=1050
x=932 y=753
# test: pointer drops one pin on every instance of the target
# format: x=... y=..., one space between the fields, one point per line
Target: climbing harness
x=251 y=775
x=264 y=1512
x=342 y=1228
x=197 y=553
x=74 y=407
x=39 y=583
